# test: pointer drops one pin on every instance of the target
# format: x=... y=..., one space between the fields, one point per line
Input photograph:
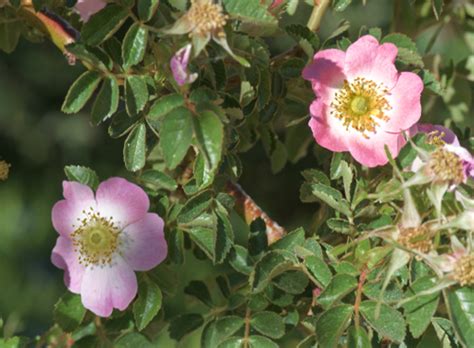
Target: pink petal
x=326 y=73
x=449 y=136
x=367 y=58
x=66 y=213
x=123 y=201
x=87 y=8
x=64 y=257
x=404 y=99
x=144 y=244
x=371 y=152
x=327 y=130
x=107 y=287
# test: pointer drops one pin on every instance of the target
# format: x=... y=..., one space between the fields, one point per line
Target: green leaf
x=319 y=269
x=83 y=175
x=461 y=304
x=184 y=324
x=121 y=124
x=358 y=338
x=445 y=332
x=331 y=197
x=341 y=5
x=9 y=35
x=219 y=330
x=107 y=100
x=92 y=55
x=437 y=7
x=420 y=310
x=407 y=50
x=339 y=225
x=339 y=286
x=255 y=17
x=270 y=265
x=204 y=238
x=133 y=340
x=164 y=105
x=430 y=81
x=158 y=180
x=331 y=324
x=307 y=39
x=80 y=92
x=195 y=207
x=134 y=150
x=199 y=290
x=290 y=240
x=146 y=9
x=103 y=24
x=261 y=342
x=134 y=45
x=268 y=323
x=148 y=303
x=224 y=236
x=69 y=312
x=240 y=260
x=136 y=94
x=292 y=282
x=176 y=136
x=210 y=135
x=389 y=323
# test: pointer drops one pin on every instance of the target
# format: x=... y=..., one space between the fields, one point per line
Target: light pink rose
x=363 y=103
x=103 y=239
x=179 y=66
x=87 y=8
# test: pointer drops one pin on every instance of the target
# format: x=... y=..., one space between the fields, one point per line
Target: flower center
x=4 y=170
x=206 y=17
x=436 y=138
x=464 y=270
x=96 y=239
x=446 y=166
x=361 y=105
x=416 y=238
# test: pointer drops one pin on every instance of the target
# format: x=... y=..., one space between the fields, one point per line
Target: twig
x=247 y=328
x=363 y=276
x=319 y=9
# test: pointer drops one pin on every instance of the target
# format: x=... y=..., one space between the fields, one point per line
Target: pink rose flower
x=179 y=66
x=363 y=102
x=87 y=8
x=103 y=240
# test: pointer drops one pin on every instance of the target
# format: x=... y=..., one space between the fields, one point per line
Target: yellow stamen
x=446 y=167
x=207 y=18
x=416 y=238
x=96 y=239
x=464 y=270
x=360 y=104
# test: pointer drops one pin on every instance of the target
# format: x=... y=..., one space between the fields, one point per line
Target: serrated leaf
x=331 y=324
x=133 y=340
x=103 y=24
x=292 y=282
x=121 y=124
x=437 y=7
x=146 y=9
x=319 y=269
x=358 y=338
x=339 y=286
x=224 y=236
x=136 y=94
x=240 y=260
x=461 y=304
x=195 y=207
x=331 y=197
x=134 y=149
x=106 y=102
x=341 y=5
x=290 y=240
x=268 y=323
x=148 y=303
x=164 y=105
x=339 y=225
x=270 y=265
x=420 y=310
x=210 y=135
x=80 y=92
x=134 y=45
x=407 y=50
x=261 y=342
x=219 y=330
x=176 y=135
x=389 y=323
x=69 y=312
x=184 y=324
x=158 y=180
x=252 y=13
x=199 y=290
x=83 y=175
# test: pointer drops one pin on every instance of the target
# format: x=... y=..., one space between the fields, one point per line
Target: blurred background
x=38 y=141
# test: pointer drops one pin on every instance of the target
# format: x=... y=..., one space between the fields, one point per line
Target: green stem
x=319 y=9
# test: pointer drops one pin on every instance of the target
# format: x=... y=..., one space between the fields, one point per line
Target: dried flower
x=4 y=170
x=87 y=8
x=103 y=240
x=363 y=103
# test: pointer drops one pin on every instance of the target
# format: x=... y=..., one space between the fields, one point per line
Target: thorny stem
x=247 y=328
x=363 y=276
x=320 y=7
x=101 y=334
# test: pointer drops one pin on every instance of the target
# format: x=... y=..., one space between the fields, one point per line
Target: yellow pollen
x=436 y=138
x=207 y=18
x=464 y=270
x=361 y=104
x=96 y=239
x=4 y=170
x=446 y=167
x=416 y=238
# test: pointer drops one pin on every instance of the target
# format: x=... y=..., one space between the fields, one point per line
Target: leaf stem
x=320 y=7
x=363 y=276
x=247 y=328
